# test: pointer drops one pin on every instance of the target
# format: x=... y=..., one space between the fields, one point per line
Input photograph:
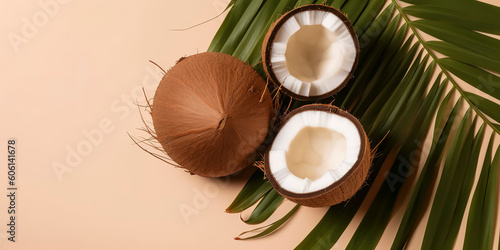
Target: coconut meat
x=313 y=53
x=313 y=150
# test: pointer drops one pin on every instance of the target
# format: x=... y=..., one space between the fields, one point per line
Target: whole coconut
x=211 y=113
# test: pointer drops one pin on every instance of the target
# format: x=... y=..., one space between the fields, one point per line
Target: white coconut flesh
x=313 y=150
x=313 y=53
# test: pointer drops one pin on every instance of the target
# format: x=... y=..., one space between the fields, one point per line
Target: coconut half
x=211 y=114
x=319 y=157
x=311 y=52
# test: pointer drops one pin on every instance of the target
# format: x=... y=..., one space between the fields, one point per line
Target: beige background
x=78 y=70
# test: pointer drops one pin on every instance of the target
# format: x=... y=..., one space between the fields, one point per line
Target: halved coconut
x=211 y=114
x=319 y=157
x=311 y=52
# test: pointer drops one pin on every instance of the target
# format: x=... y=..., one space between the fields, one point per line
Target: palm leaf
x=482 y=18
x=227 y=27
x=454 y=187
x=480 y=227
x=466 y=38
x=249 y=49
x=254 y=189
x=389 y=94
x=239 y=29
x=367 y=60
x=442 y=131
x=368 y=233
x=269 y=229
x=338 y=217
x=266 y=207
x=466 y=186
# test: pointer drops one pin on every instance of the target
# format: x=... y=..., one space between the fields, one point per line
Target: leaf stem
x=446 y=73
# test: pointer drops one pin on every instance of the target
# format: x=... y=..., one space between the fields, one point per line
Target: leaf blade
x=480 y=228
x=271 y=228
x=445 y=199
x=486 y=106
x=418 y=118
x=227 y=25
x=266 y=207
x=466 y=182
x=253 y=190
x=477 y=78
x=464 y=56
x=242 y=26
x=483 y=18
x=466 y=39
x=424 y=182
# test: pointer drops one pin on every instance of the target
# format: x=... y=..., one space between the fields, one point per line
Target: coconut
x=311 y=52
x=320 y=156
x=211 y=113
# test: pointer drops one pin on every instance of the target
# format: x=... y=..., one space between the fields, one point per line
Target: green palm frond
x=442 y=130
x=397 y=91
x=454 y=187
x=269 y=229
x=252 y=192
x=266 y=207
x=480 y=226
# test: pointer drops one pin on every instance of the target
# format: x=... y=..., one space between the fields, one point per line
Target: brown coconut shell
x=211 y=113
x=345 y=187
x=271 y=35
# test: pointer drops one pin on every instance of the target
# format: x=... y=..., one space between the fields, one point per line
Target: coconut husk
x=211 y=113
